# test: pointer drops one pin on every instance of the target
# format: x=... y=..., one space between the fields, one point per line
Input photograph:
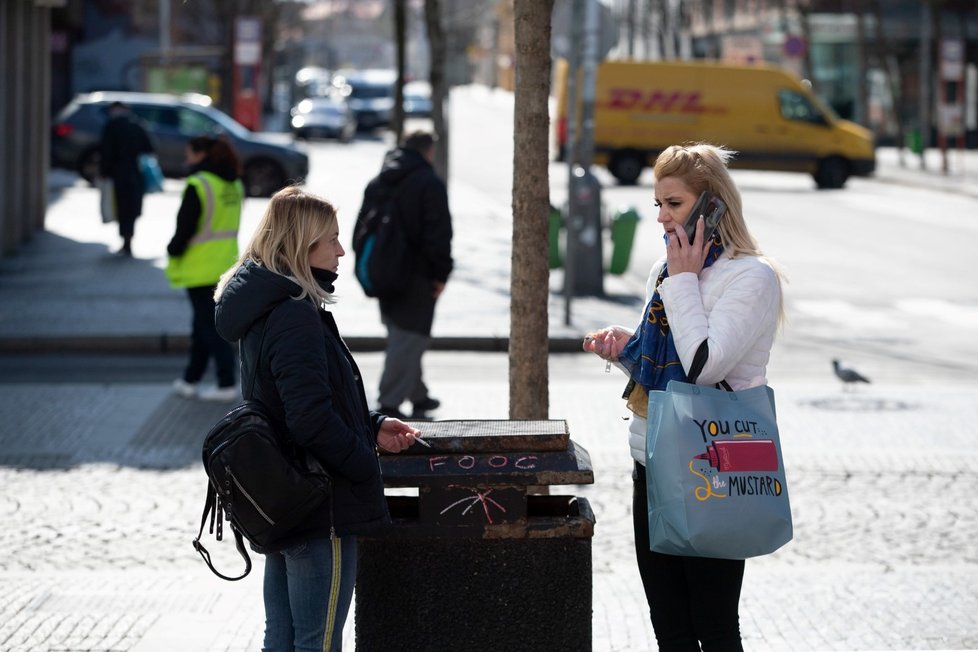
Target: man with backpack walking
x=408 y=195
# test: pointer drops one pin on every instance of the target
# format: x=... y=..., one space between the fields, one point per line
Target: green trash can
x=623 y=225
x=556 y=221
x=914 y=142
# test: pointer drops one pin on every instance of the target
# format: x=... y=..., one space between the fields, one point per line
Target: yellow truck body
x=764 y=113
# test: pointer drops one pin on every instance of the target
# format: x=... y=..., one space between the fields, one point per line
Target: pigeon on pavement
x=848 y=375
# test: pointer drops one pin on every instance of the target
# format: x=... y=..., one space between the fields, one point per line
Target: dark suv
x=172 y=121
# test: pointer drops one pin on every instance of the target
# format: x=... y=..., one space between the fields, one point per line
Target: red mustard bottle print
x=741 y=455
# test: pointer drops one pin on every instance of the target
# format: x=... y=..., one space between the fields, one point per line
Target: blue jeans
x=308 y=590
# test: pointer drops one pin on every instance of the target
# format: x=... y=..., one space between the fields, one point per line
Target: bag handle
x=699 y=361
x=212 y=508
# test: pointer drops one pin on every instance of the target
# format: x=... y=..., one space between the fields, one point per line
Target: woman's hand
x=395 y=435
x=608 y=342
x=684 y=256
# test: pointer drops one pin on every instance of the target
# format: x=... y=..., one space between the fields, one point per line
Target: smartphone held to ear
x=712 y=209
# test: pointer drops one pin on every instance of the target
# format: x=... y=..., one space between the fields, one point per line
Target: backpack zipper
x=248 y=497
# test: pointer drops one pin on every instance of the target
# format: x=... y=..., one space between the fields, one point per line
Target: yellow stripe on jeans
x=334 y=595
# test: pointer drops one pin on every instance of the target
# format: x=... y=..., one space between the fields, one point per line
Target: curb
x=957 y=185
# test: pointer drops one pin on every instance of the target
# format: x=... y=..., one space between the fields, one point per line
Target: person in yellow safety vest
x=204 y=246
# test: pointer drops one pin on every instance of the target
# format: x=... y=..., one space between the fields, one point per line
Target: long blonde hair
x=701 y=166
x=293 y=222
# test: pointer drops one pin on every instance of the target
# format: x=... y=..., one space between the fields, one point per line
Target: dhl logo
x=658 y=100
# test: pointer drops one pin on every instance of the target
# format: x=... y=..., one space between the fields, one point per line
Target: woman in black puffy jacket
x=294 y=361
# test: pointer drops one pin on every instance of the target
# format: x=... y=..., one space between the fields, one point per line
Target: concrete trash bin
x=475 y=561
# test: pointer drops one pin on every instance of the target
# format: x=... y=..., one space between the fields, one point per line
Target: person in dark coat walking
x=293 y=360
x=421 y=204
x=123 y=141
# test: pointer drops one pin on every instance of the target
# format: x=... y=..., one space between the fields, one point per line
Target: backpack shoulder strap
x=254 y=374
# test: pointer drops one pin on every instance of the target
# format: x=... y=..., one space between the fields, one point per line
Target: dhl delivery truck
x=764 y=113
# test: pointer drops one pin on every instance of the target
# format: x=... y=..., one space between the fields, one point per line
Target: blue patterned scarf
x=650 y=355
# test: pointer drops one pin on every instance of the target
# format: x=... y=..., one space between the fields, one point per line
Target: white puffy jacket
x=734 y=305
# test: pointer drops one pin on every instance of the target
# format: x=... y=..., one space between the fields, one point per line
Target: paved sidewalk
x=101 y=501
x=961 y=176
x=93 y=300
x=102 y=490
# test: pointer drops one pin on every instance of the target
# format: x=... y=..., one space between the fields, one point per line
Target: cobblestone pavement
x=102 y=494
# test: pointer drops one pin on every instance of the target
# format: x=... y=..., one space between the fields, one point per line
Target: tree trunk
x=529 y=288
x=862 y=79
x=891 y=72
x=226 y=98
x=630 y=28
x=937 y=13
x=439 y=91
x=400 y=23
x=808 y=72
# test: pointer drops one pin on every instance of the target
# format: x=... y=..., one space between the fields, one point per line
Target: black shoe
x=426 y=405
x=392 y=412
x=125 y=251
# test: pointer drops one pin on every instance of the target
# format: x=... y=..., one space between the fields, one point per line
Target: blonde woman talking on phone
x=715 y=297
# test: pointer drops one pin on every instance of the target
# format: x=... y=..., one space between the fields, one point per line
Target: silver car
x=324 y=117
x=267 y=165
x=370 y=93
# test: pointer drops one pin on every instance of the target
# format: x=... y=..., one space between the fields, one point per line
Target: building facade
x=25 y=83
x=881 y=63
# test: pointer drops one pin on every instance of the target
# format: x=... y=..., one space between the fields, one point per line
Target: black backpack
x=262 y=483
x=383 y=253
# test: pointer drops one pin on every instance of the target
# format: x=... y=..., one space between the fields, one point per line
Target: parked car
x=172 y=121
x=417 y=99
x=370 y=93
x=311 y=81
x=325 y=117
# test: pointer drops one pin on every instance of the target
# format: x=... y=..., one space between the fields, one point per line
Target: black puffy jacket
x=422 y=207
x=312 y=388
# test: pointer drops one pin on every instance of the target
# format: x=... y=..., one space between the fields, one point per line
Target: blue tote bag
x=149 y=167
x=714 y=472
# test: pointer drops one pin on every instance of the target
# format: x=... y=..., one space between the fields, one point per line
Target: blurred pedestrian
x=273 y=301
x=203 y=247
x=123 y=141
x=720 y=298
x=420 y=202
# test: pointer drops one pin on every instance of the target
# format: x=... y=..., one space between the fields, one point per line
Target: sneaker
x=219 y=394
x=184 y=389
